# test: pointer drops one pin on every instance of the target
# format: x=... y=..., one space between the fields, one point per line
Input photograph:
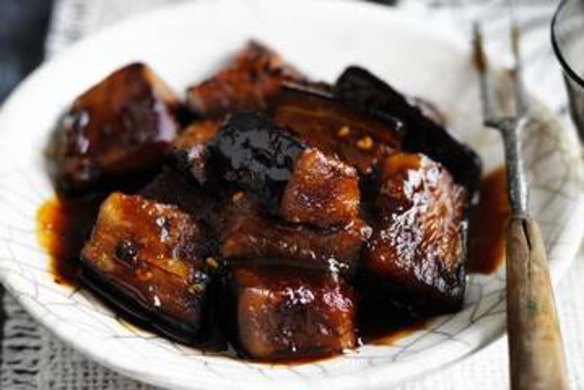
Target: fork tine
x=485 y=81
x=517 y=73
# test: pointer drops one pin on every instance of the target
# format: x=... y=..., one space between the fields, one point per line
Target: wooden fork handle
x=535 y=344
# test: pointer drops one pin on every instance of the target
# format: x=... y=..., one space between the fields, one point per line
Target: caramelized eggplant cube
x=286 y=313
x=247 y=83
x=121 y=126
x=246 y=233
x=368 y=93
x=252 y=153
x=150 y=254
x=429 y=110
x=335 y=128
x=172 y=187
x=323 y=191
x=418 y=246
x=190 y=151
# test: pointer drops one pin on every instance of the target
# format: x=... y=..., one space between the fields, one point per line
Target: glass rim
x=558 y=51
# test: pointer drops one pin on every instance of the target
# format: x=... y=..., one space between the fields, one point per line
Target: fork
x=536 y=352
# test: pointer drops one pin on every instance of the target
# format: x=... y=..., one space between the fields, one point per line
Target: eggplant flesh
x=152 y=255
x=323 y=191
x=190 y=150
x=286 y=313
x=417 y=250
x=247 y=83
x=248 y=233
x=117 y=129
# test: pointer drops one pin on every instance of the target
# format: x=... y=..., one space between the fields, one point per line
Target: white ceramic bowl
x=185 y=43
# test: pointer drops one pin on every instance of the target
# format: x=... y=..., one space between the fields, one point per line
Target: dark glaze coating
x=323 y=191
x=247 y=83
x=335 y=128
x=418 y=245
x=189 y=151
x=121 y=126
x=285 y=312
x=383 y=319
x=257 y=226
x=150 y=254
x=63 y=228
x=252 y=153
x=363 y=90
x=246 y=233
x=486 y=246
x=172 y=187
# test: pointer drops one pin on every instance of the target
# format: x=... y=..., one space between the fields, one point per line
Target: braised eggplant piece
x=252 y=153
x=417 y=250
x=247 y=83
x=429 y=110
x=288 y=313
x=368 y=93
x=118 y=128
x=303 y=184
x=287 y=215
x=335 y=128
x=247 y=233
x=323 y=191
x=190 y=152
x=152 y=255
x=173 y=187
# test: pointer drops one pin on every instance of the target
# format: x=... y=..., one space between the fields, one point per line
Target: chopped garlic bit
x=343 y=132
x=237 y=196
x=365 y=143
x=211 y=262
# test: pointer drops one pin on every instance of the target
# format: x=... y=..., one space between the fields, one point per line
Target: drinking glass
x=568 y=44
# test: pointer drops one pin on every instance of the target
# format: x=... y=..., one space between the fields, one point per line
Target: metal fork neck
x=511 y=130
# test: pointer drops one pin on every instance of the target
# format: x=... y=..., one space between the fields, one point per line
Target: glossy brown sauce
x=62 y=230
x=383 y=324
x=486 y=249
x=400 y=331
x=64 y=226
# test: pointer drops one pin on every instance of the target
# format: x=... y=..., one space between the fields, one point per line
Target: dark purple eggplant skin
x=252 y=153
x=368 y=93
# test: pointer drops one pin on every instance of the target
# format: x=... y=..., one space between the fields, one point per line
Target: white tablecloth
x=33 y=358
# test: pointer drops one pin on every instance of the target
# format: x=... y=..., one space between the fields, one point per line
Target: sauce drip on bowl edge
x=486 y=246
x=62 y=230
